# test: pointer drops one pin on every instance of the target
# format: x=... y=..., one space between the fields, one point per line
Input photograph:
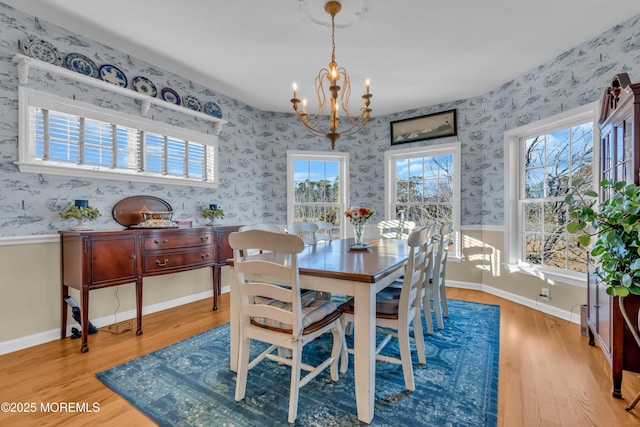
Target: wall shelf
x=25 y=63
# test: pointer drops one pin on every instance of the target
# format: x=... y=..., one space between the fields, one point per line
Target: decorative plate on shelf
x=112 y=74
x=42 y=50
x=81 y=64
x=170 y=95
x=192 y=103
x=144 y=85
x=133 y=210
x=213 y=109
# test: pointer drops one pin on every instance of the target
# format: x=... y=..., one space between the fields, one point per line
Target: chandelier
x=339 y=96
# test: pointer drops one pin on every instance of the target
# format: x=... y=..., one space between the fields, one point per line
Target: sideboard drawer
x=161 y=263
x=169 y=239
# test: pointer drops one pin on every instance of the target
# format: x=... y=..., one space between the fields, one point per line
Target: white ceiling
x=416 y=52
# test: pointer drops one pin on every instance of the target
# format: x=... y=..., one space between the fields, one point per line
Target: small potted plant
x=211 y=213
x=80 y=211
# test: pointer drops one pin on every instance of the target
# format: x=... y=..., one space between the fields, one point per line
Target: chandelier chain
x=333 y=38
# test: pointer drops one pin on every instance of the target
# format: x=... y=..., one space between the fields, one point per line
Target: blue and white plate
x=192 y=103
x=213 y=109
x=112 y=74
x=42 y=50
x=81 y=64
x=170 y=95
x=144 y=85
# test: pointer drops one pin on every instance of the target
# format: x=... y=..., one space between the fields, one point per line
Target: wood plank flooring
x=549 y=375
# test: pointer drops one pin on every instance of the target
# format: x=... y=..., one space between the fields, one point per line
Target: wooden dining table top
x=334 y=259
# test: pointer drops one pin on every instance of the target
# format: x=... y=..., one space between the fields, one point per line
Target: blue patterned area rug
x=190 y=384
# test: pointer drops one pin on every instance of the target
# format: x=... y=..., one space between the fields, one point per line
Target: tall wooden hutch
x=619 y=160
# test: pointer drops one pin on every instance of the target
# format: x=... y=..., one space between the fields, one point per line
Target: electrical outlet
x=544 y=294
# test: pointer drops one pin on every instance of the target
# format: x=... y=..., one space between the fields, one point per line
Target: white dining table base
x=364 y=295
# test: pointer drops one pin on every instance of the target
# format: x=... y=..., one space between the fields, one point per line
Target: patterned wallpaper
x=253 y=143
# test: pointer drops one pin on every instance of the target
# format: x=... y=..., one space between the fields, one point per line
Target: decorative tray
x=131 y=212
x=363 y=247
x=156 y=220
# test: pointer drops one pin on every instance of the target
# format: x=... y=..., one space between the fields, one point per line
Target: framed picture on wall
x=437 y=125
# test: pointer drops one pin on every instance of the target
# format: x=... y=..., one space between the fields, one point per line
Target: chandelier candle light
x=333 y=76
x=358 y=217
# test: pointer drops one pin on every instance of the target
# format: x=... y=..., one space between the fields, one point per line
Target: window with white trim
x=422 y=184
x=317 y=187
x=66 y=137
x=543 y=160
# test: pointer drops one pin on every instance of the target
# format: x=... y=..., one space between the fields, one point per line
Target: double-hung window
x=544 y=159
x=317 y=188
x=423 y=185
x=65 y=137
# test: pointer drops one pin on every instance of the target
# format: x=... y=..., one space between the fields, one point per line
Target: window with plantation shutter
x=65 y=137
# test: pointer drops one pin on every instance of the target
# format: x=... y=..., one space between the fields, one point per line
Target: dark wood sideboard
x=98 y=259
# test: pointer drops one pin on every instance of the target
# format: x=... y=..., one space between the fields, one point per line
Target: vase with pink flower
x=359 y=216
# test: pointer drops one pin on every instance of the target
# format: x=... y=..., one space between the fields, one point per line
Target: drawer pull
x=207 y=255
x=204 y=238
x=164 y=241
x=166 y=261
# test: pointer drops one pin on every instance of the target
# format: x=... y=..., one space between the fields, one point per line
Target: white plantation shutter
x=60 y=135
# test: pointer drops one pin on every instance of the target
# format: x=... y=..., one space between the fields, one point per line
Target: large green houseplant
x=611 y=230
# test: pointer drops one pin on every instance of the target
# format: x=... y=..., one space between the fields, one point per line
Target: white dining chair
x=395 y=229
x=395 y=317
x=436 y=297
x=325 y=231
x=272 y=311
x=306 y=230
x=261 y=226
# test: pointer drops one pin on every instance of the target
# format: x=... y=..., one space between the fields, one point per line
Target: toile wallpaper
x=253 y=143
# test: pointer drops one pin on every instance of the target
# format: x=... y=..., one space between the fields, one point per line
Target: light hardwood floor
x=549 y=375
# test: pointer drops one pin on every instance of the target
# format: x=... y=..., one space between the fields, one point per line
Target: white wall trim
x=54 y=334
x=482 y=228
x=29 y=240
x=569 y=316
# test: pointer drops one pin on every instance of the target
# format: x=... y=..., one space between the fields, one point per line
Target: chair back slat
x=261 y=281
x=395 y=229
x=410 y=295
x=306 y=230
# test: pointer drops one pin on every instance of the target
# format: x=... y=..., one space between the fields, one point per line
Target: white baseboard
x=536 y=305
x=54 y=334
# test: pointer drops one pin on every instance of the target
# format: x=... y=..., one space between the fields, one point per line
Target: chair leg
x=437 y=305
x=344 y=357
x=336 y=350
x=443 y=297
x=295 y=383
x=405 y=357
x=418 y=336
x=243 y=368
x=426 y=308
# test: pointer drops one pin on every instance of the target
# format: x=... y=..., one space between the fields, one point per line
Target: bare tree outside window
x=553 y=161
x=424 y=188
x=317 y=191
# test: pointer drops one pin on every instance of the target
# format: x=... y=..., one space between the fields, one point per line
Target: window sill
x=543 y=273
x=119 y=175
